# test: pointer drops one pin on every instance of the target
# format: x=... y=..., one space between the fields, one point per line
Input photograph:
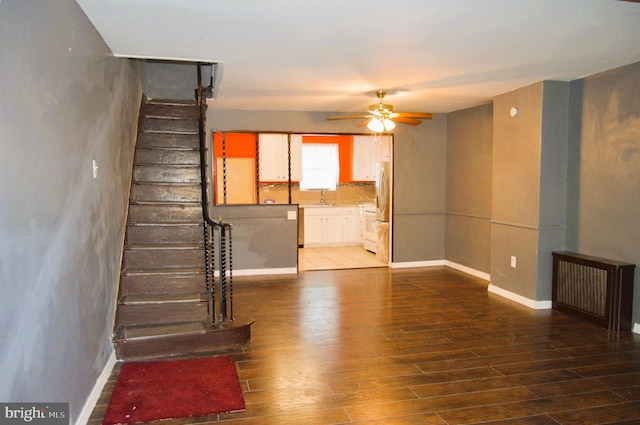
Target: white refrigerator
x=383 y=209
x=382 y=192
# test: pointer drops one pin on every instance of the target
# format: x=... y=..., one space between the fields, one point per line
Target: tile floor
x=332 y=258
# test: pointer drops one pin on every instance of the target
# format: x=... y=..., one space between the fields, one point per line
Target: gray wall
x=170 y=80
x=64 y=100
x=529 y=186
x=419 y=201
x=566 y=176
x=469 y=165
x=419 y=156
x=604 y=173
x=263 y=236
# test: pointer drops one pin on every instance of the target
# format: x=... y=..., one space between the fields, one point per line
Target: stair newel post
x=210 y=269
x=223 y=271
x=230 y=276
x=207 y=280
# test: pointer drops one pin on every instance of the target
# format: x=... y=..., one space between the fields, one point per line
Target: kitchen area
x=340 y=237
x=349 y=227
x=340 y=184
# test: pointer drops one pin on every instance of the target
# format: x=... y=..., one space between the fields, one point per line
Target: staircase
x=162 y=305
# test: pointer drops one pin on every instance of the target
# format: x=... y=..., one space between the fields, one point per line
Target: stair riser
x=165 y=174
x=165 y=235
x=169 y=141
x=169 y=111
x=162 y=284
x=183 y=344
x=168 y=125
x=166 y=258
x=164 y=213
x=149 y=314
x=167 y=157
x=160 y=193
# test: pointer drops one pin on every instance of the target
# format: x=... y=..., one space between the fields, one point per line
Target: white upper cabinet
x=367 y=151
x=364 y=158
x=274 y=157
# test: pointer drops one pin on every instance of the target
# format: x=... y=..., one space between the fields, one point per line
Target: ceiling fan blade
x=348 y=117
x=406 y=120
x=365 y=122
x=418 y=115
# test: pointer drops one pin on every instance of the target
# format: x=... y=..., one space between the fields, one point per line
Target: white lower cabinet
x=350 y=227
x=331 y=226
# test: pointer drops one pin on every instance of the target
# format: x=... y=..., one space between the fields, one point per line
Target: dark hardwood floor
x=419 y=346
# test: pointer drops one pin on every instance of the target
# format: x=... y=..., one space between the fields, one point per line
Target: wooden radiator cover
x=593 y=288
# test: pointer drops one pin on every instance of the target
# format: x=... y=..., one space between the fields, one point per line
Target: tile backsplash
x=346 y=194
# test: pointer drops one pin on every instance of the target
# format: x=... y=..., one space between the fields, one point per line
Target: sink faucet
x=322 y=198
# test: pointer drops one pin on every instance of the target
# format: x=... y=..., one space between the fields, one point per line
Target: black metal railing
x=217 y=234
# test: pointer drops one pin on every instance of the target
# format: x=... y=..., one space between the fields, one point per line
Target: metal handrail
x=212 y=226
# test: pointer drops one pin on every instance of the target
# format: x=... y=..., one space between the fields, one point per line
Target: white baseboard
x=636 y=328
x=257 y=272
x=92 y=400
x=447 y=263
x=536 y=305
x=468 y=270
x=411 y=264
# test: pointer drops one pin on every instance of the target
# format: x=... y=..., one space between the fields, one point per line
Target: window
x=320 y=166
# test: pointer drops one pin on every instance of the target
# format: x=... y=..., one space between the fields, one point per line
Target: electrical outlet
x=513 y=261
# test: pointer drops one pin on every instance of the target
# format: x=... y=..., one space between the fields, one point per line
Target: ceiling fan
x=381 y=117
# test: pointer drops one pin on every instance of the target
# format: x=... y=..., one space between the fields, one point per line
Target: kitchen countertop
x=336 y=205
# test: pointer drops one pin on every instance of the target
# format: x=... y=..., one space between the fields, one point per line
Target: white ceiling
x=332 y=55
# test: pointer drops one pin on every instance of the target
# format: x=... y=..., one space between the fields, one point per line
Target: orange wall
x=238 y=145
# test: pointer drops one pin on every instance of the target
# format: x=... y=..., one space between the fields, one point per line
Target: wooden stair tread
x=173 y=271
x=151 y=331
x=161 y=131
x=169 y=142
x=167 y=203
x=166 y=165
x=163 y=222
x=169 y=147
x=174 y=102
x=161 y=298
x=169 y=165
x=166 y=247
x=159 y=110
x=187 y=184
x=166 y=223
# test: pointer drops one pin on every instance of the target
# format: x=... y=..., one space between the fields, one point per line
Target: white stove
x=369 y=235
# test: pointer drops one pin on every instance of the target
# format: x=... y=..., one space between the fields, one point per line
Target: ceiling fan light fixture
x=376 y=125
